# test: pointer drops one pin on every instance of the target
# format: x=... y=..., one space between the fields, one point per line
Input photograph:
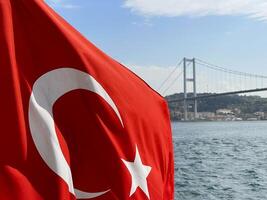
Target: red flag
x=75 y=124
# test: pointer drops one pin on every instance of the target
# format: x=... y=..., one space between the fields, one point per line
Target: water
x=220 y=160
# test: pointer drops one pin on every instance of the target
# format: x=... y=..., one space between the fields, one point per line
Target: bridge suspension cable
x=215 y=67
x=169 y=76
x=175 y=79
x=171 y=84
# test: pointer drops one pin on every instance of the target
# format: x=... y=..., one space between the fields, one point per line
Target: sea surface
x=220 y=160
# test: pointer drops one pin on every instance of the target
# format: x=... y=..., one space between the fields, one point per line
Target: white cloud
x=171 y=8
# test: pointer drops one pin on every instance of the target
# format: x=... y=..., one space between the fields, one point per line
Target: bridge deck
x=219 y=94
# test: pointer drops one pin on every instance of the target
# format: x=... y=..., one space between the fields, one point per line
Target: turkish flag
x=75 y=124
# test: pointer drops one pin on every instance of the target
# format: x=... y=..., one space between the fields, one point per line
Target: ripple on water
x=214 y=161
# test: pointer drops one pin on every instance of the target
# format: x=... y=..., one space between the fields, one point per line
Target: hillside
x=245 y=105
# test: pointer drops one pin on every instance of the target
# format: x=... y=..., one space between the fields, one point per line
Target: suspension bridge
x=198 y=79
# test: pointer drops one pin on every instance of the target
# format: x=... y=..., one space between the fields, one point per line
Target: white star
x=139 y=174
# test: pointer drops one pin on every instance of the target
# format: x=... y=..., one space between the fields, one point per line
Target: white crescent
x=46 y=91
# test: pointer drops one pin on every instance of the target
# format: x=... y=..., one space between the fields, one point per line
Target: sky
x=152 y=36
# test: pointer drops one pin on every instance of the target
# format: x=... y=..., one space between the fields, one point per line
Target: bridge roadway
x=219 y=94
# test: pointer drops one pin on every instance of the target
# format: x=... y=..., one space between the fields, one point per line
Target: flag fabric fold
x=75 y=124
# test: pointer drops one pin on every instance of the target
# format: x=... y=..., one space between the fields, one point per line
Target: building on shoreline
x=220 y=115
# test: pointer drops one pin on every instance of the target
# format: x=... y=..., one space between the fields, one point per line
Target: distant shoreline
x=217 y=121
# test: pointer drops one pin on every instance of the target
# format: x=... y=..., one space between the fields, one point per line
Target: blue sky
x=151 y=36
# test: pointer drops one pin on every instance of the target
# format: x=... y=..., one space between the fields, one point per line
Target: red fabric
x=35 y=40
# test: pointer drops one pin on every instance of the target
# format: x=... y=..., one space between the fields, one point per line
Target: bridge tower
x=192 y=79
